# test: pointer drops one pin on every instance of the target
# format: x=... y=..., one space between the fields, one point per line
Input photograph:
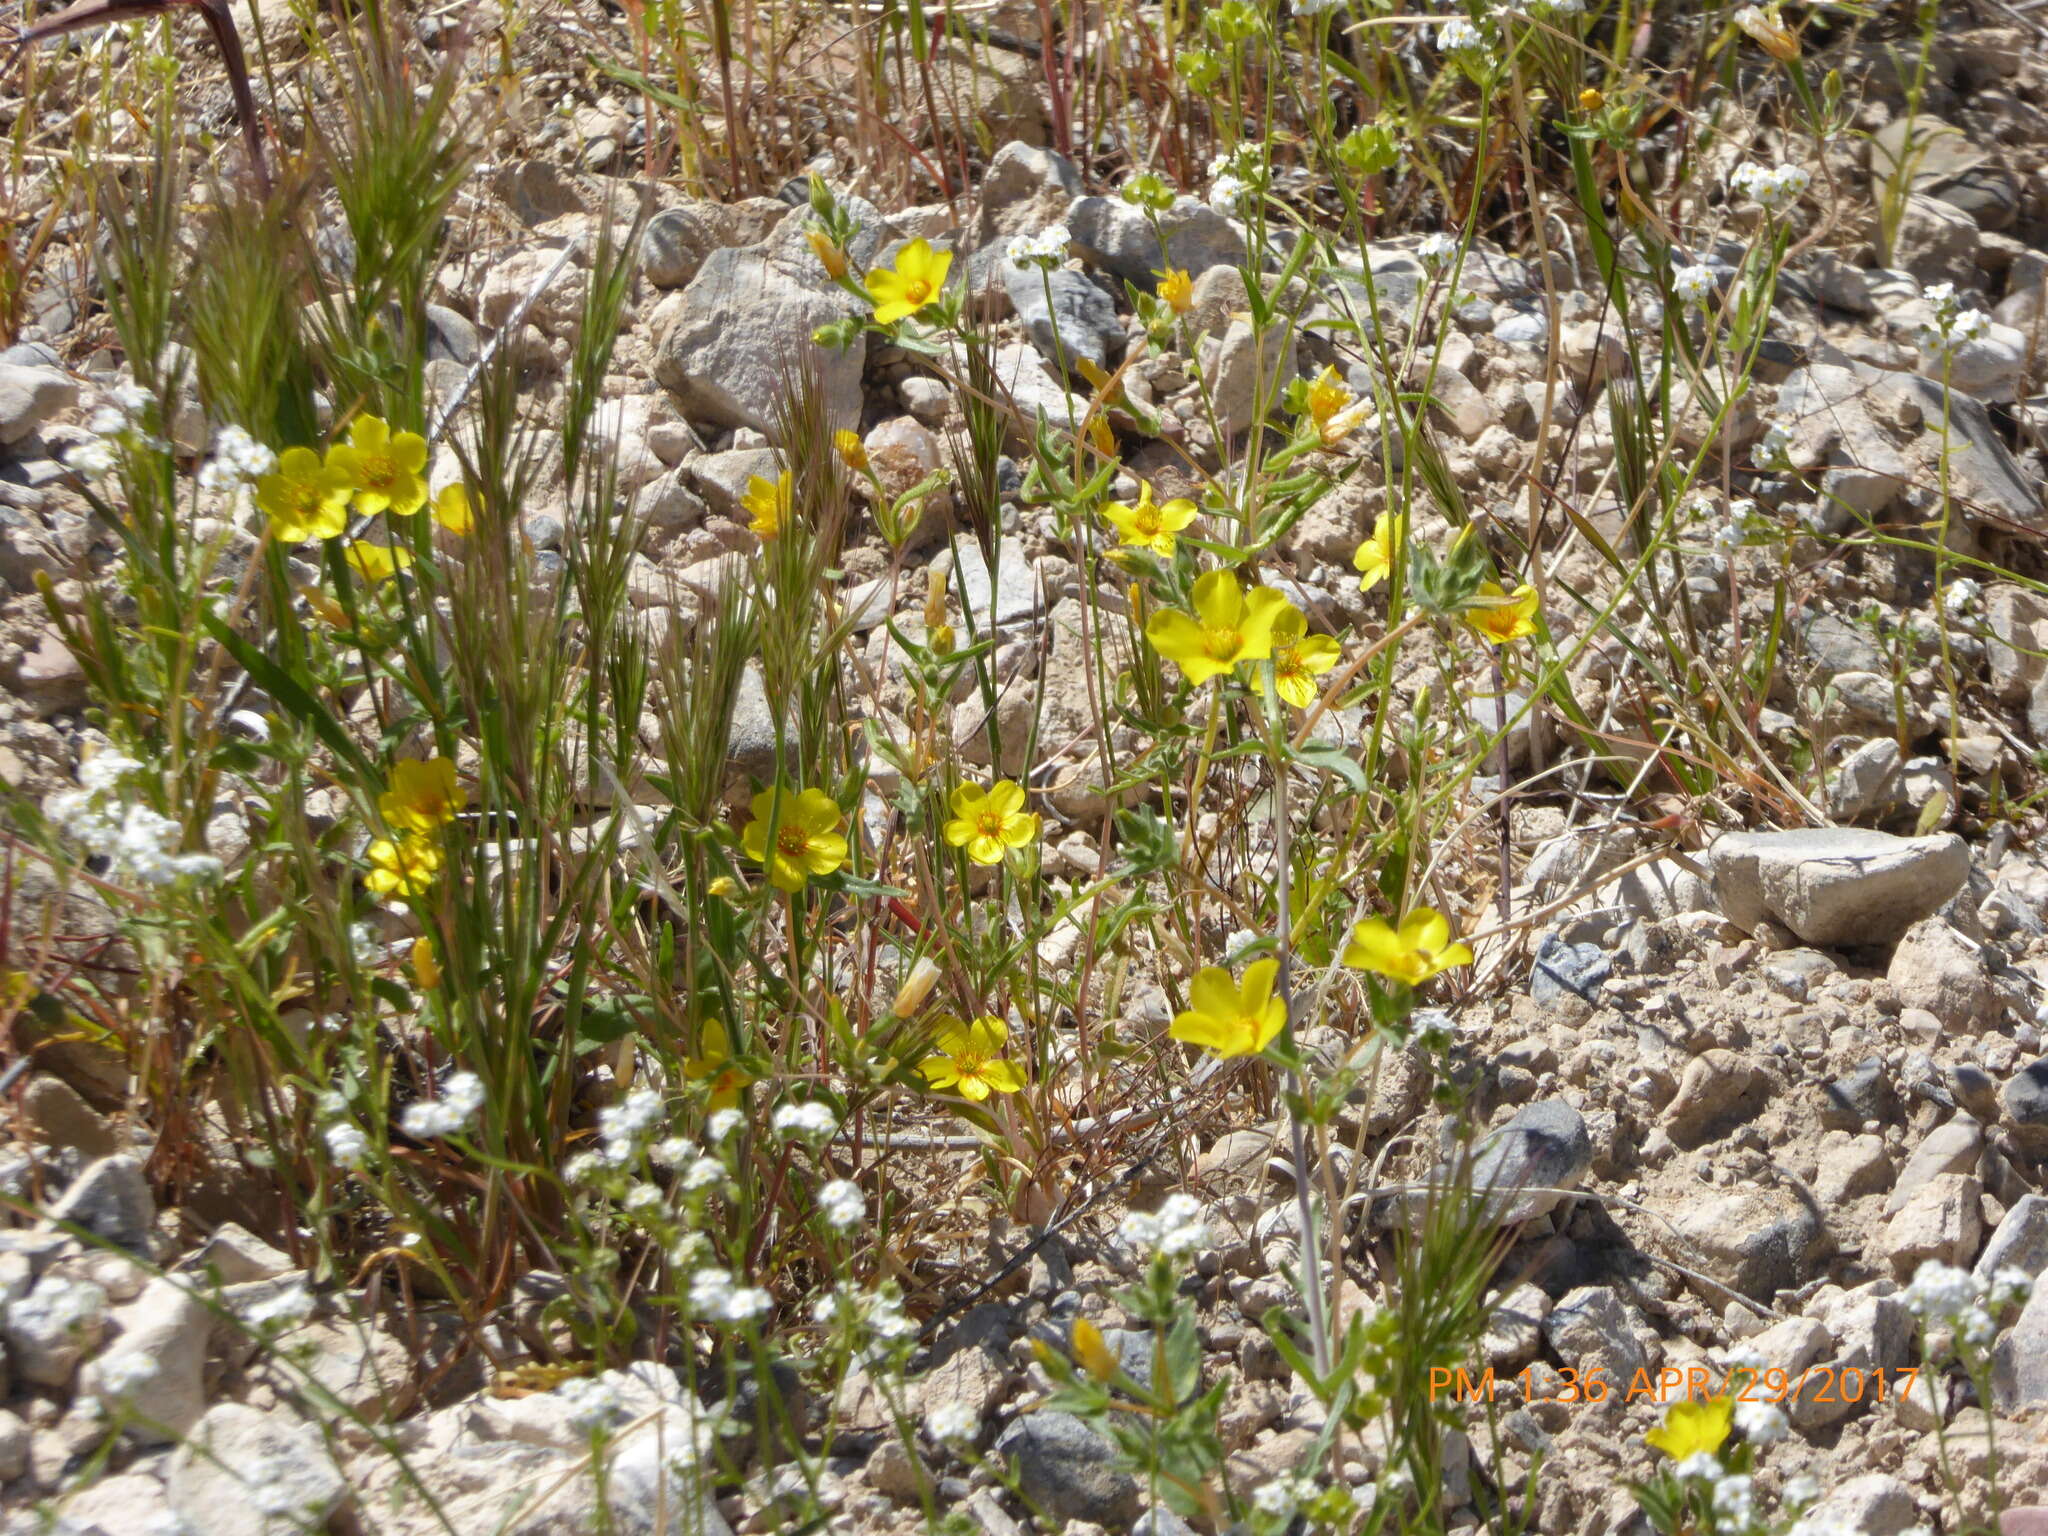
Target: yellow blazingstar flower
x=970 y=1060
x=714 y=1066
x=1148 y=525
x=1419 y=949
x=1507 y=617
x=1229 y=1019
x=1691 y=1426
x=1299 y=658
x=989 y=822
x=1591 y=100
x=1092 y=1351
x=915 y=281
x=1769 y=31
x=1327 y=396
x=426 y=970
x=853 y=453
x=807 y=840
x=304 y=499
x=830 y=253
x=1178 y=289
x=403 y=870
x=376 y=563
x=1374 y=559
x=423 y=795
x=768 y=501
x=1227 y=626
x=383 y=468
x=451 y=509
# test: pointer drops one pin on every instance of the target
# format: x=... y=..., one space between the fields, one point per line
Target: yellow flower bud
x=1089 y=1350
x=831 y=255
x=917 y=986
x=425 y=969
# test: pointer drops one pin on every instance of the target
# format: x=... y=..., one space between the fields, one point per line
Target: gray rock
x=1719 y=1089
x=1867 y=781
x=2020 y=1241
x=1937 y=242
x=450 y=337
x=236 y=1256
x=111 y=1200
x=1568 y=970
x=1590 y=1324
x=1021 y=374
x=1834 y=886
x=1938 y=969
x=1017 y=595
x=155 y=1369
x=1941 y=1220
x=1025 y=190
x=1950 y=1148
x=1756 y=1241
x=55 y=1116
x=49 y=1330
x=1860 y=1095
x=1247 y=372
x=1069 y=1470
x=1080 y=321
x=13 y=1446
x=2019 y=1360
x=2024 y=1098
x=1542 y=1149
x=31 y=396
x=1871 y=1505
x=236 y=1453
x=1111 y=234
x=1840 y=648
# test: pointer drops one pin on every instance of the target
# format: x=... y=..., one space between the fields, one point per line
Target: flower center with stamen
x=1223 y=644
x=793 y=842
x=1148 y=522
x=379 y=470
x=918 y=290
x=991 y=823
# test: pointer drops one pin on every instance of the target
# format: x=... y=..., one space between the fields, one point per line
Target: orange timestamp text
x=1593 y=1384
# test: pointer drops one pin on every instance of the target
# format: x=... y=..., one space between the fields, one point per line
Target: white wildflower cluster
x=286 y=1309
x=1434 y=250
x=842 y=1205
x=462 y=1095
x=1961 y=596
x=694 y=1171
x=623 y=1128
x=1279 y=1497
x=1734 y=1503
x=722 y=1124
x=238 y=459
x=1460 y=39
x=119 y=422
x=1799 y=1491
x=134 y=840
x=1695 y=285
x=1761 y=1423
x=1773 y=188
x=125 y=1374
x=1952 y=326
x=1317 y=7
x=874 y=1321
x=1237 y=177
x=593 y=1402
x=1044 y=250
x=1943 y=1296
x=715 y=1297
x=1735 y=529
x=811 y=1122
x=1174 y=1231
x=346 y=1144
x=1774 y=449
x=953 y=1423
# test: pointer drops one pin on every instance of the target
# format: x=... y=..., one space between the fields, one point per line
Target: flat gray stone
x=1836 y=886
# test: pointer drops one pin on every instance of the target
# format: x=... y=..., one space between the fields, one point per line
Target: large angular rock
x=1066 y=316
x=1116 y=237
x=1836 y=886
x=1523 y=1170
x=1757 y=1241
x=743 y=329
x=30 y=396
x=2019 y=1361
x=1942 y=971
x=249 y=1473
x=678 y=241
x=110 y=1200
x=155 y=1369
x=1069 y=1470
x=1025 y=190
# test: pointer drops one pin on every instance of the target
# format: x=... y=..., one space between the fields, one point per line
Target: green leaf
x=1336 y=762
x=285 y=689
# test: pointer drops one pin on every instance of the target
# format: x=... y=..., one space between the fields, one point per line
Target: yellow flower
x=830 y=253
x=426 y=970
x=714 y=1066
x=1333 y=407
x=1299 y=658
x=768 y=500
x=1771 y=34
x=451 y=509
x=325 y=606
x=1692 y=1425
x=401 y=871
x=971 y=1060
x=1226 y=627
x=1419 y=949
x=1147 y=526
x=725 y=888
x=807 y=840
x=1092 y=1351
x=304 y=499
x=376 y=563
x=853 y=453
x=919 y=274
x=383 y=469
x=1229 y=1019
x=423 y=795
x=1591 y=100
x=1178 y=289
x=1375 y=558
x=1508 y=616
x=987 y=822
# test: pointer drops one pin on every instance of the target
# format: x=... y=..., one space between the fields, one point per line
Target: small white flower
x=1044 y=250
x=1801 y=1490
x=1772 y=188
x=1760 y=1422
x=1434 y=249
x=625 y=1125
x=237 y=459
x=723 y=1123
x=345 y=1144
x=1699 y=1467
x=462 y=1095
x=1961 y=596
x=1774 y=449
x=123 y=1375
x=1694 y=285
x=593 y=1402
x=1734 y=1503
x=2010 y=1287
x=842 y=1205
x=953 y=1423
x=641 y=1200
x=91 y=460
x=1459 y=36
x=811 y=1121
x=583 y=1168
x=288 y=1308
x=1227 y=194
